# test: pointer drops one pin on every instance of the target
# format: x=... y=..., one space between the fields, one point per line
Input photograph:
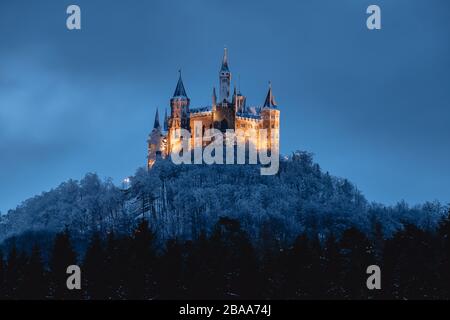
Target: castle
x=223 y=114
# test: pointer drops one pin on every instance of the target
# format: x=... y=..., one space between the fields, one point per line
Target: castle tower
x=156 y=143
x=270 y=116
x=179 y=114
x=224 y=78
x=238 y=101
x=224 y=115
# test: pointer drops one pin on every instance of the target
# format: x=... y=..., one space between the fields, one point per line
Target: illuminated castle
x=223 y=114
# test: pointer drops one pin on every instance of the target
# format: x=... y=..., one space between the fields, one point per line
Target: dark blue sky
x=373 y=106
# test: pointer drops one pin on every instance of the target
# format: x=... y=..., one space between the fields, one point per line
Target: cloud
x=89 y=96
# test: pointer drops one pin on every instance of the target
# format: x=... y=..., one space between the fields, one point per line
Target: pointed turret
x=239 y=85
x=155 y=142
x=179 y=106
x=270 y=115
x=214 y=98
x=224 y=78
x=166 y=121
x=179 y=90
x=156 y=125
x=225 y=61
x=270 y=99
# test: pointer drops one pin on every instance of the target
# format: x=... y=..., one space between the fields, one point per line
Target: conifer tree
x=299 y=261
x=358 y=254
x=202 y=272
x=116 y=266
x=2 y=276
x=273 y=274
x=233 y=261
x=12 y=273
x=35 y=284
x=444 y=257
x=142 y=263
x=332 y=269
x=246 y=283
x=62 y=256
x=412 y=258
x=94 y=268
x=170 y=273
x=22 y=262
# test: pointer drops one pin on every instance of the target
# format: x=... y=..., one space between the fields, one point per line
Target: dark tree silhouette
x=12 y=274
x=332 y=275
x=142 y=262
x=238 y=273
x=223 y=265
x=201 y=266
x=303 y=269
x=410 y=262
x=171 y=275
x=62 y=256
x=226 y=265
x=35 y=284
x=116 y=262
x=443 y=276
x=94 y=267
x=2 y=276
x=357 y=254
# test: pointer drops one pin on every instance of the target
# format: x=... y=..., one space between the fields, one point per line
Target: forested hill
x=182 y=201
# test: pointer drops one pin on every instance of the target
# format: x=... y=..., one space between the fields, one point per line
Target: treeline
x=182 y=200
x=415 y=264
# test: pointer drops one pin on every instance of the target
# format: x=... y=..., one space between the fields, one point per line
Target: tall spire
x=239 y=84
x=179 y=90
x=224 y=79
x=270 y=99
x=214 y=96
x=166 y=121
x=225 y=61
x=156 y=125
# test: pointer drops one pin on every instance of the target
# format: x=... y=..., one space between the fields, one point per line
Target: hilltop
x=182 y=201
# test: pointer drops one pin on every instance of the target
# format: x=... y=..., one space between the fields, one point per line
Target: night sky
x=373 y=106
